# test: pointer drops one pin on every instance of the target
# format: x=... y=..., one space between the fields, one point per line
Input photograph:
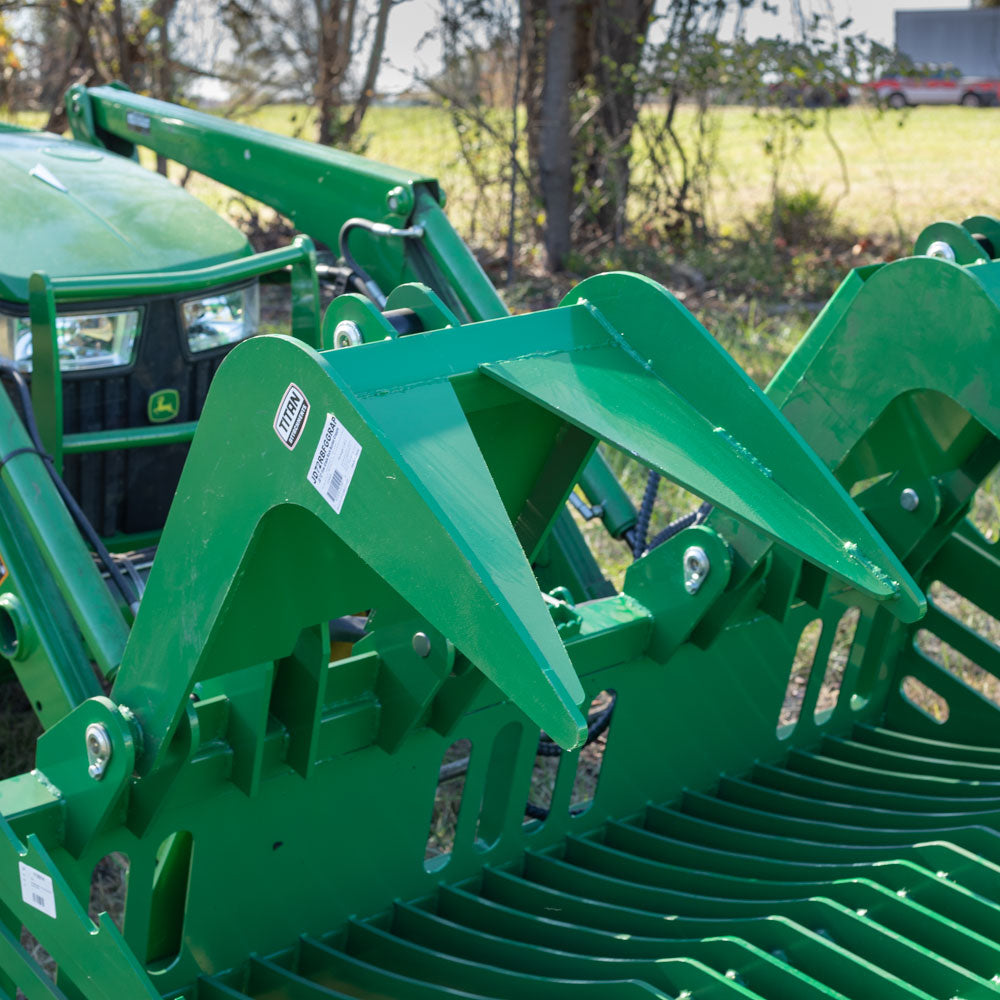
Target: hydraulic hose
x=641 y=530
x=372 y=288
x=679 y=524
x=124 y=587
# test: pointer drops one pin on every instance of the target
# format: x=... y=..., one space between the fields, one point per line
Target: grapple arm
x=466 y=443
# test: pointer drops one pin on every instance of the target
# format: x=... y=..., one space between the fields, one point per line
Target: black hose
x=685 y=521
x=596 y=725
x=338 y=280
x=372 y=289
x=535 y=812
x=125 y=588
x=641 y=530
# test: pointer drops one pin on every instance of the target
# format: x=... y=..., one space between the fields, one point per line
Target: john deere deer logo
x=163 y=405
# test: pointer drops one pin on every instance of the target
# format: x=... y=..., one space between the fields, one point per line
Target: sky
x=872 y=17
x=411 y=20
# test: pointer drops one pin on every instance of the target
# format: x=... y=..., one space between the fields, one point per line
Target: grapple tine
x=663 y=391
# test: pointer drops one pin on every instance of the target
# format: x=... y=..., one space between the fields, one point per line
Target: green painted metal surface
x=295 y=178
x=81 y=211
x=798 y=790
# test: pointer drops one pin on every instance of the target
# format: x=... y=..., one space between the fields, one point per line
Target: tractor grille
x=869 y=868
x=130 y=491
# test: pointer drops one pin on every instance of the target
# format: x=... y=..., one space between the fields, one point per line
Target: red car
x=936 y=88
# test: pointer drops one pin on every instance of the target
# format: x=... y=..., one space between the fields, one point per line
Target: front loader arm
x=319 y=188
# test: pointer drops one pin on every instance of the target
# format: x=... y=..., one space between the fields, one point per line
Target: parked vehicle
x=944 y=87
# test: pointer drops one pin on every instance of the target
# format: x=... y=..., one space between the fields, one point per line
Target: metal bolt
x=98 y=750
x=398 y=200
x=940 y=249
x=909 y=499
x=347 y=333
x=696 y=567
x=421 y=644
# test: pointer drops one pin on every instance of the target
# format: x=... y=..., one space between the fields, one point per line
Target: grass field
x=904 y=169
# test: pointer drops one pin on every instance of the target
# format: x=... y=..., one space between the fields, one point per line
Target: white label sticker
x=333 y=464
x=36 y=889
x=291 y=416
x=137 y=121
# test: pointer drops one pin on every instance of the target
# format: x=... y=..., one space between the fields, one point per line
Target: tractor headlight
x=220 y=319
x=86 y=340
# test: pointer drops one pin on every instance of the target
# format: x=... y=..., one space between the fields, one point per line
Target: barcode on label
x=334 y=462
x=336 y=485
x=36 y=889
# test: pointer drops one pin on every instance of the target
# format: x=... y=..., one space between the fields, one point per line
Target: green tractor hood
x=72 y=210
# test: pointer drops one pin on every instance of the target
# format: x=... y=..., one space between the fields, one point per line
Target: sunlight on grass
x=905 y=170
x=985 y=511
x=24 y=119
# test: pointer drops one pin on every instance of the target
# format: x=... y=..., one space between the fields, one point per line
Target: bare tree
x=91 y=42
x=482 y=85
x=583 y=60
x=551 y=123
x=310 y=53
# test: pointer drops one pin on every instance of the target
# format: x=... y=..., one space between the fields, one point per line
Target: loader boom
x=318 y=188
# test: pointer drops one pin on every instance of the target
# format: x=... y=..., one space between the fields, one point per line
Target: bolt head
x=398 y=200
x=421 y=644
x=696 y=567
x=99 y=747
x=941 y=250
x=909 y=499
x=347 y=333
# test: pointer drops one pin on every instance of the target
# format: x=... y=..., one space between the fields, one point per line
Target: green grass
x=26 y=119
x=905 y=170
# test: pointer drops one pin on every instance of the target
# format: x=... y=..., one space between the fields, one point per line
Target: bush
x=799 y=218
